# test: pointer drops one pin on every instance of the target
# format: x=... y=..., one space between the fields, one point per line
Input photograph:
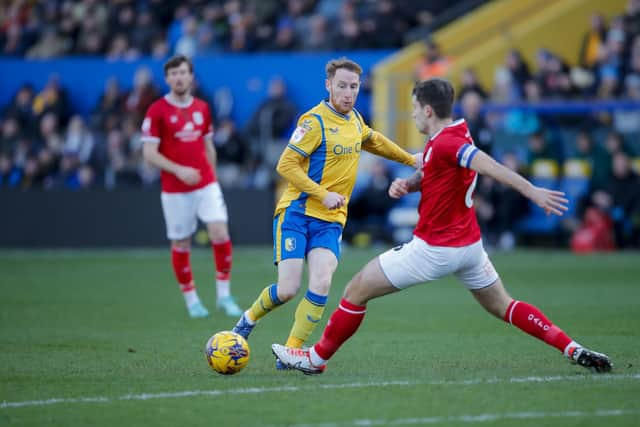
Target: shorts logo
x=290 y=244
x=197 y=117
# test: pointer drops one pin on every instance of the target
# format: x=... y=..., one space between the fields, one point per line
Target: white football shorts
x=182 y=210
x=418 y=262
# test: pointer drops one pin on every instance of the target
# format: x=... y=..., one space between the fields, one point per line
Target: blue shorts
x=295 y=234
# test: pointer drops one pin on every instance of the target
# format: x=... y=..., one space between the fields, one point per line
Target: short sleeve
x=151 y=125
x=307 y=136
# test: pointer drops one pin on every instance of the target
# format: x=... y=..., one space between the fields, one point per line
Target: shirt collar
x=177 y=103
x=347 y=117
x=455 y=123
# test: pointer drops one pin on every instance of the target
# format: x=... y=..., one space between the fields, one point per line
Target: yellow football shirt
x=322 y=156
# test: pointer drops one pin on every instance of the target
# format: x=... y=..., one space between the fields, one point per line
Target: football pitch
x=102 y=338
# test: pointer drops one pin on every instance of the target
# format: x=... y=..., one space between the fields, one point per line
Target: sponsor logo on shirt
x=188 y=133
x=341 y=150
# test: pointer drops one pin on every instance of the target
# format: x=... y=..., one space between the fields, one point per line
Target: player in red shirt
x=178 y=138
x=446 y=240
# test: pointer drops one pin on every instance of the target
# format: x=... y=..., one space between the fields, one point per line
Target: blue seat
x=575 y=188
x=537 y=221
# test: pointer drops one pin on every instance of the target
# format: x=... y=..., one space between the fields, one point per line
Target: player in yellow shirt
x=320 y=165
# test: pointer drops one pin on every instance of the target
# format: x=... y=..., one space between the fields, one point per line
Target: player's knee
x=320 y=283
x=218 y=233
x=182 y=244
x=287 y=290
x=285 y=294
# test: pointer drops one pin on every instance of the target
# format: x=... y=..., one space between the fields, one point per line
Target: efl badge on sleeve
x=297 y=135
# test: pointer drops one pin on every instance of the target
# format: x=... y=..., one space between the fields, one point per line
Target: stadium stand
x=513 y=84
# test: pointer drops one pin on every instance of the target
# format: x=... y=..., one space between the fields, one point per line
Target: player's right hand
x=398 y=188
x=188 y=175
x=553 y=202
x=334 y=200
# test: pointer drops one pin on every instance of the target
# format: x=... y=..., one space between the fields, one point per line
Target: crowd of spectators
x=128 y=29
x=45 y=145
x=594 y=157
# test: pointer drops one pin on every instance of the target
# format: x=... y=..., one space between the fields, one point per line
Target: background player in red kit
x=446 y=240
x=178 y=138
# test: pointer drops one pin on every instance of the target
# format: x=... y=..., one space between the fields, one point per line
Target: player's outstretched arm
x=402 y=186
x=382 y=146
x=290 y=169
x=550 y=200
x=186 y=174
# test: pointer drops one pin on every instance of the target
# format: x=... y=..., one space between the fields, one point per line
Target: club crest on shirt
x=306 y=124
x=173 y=118
x=197 y=117
x=290 y=244
x=298 y=134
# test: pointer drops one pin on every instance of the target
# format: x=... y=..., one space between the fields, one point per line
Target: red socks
x=346 y=320
x=343 y=323
x=182 y=268
x=222 y=252
x=534 y=322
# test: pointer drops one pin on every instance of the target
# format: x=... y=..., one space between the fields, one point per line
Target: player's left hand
x=552 y=201
x=398 y=188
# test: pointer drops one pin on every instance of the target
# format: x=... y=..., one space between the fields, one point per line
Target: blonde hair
x=335 y=64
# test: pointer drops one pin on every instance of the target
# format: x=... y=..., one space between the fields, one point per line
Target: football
x=227 y=352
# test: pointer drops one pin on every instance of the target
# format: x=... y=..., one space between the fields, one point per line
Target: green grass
x=112 y=325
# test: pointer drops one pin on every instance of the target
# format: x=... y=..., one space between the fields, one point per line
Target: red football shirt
x=180 y=130
x=447 y=217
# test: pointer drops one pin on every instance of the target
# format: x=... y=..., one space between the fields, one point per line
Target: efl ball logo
x=227 y=352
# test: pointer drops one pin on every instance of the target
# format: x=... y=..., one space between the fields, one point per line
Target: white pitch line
x=286 y=389
x=472 y=419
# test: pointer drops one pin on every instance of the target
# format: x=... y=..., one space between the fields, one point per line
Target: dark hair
x=176 y=61
x=335 y=64
x=437 y=93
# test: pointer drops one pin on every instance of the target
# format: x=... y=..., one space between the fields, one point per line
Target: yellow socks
x=308 y=314
x=267 y=301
